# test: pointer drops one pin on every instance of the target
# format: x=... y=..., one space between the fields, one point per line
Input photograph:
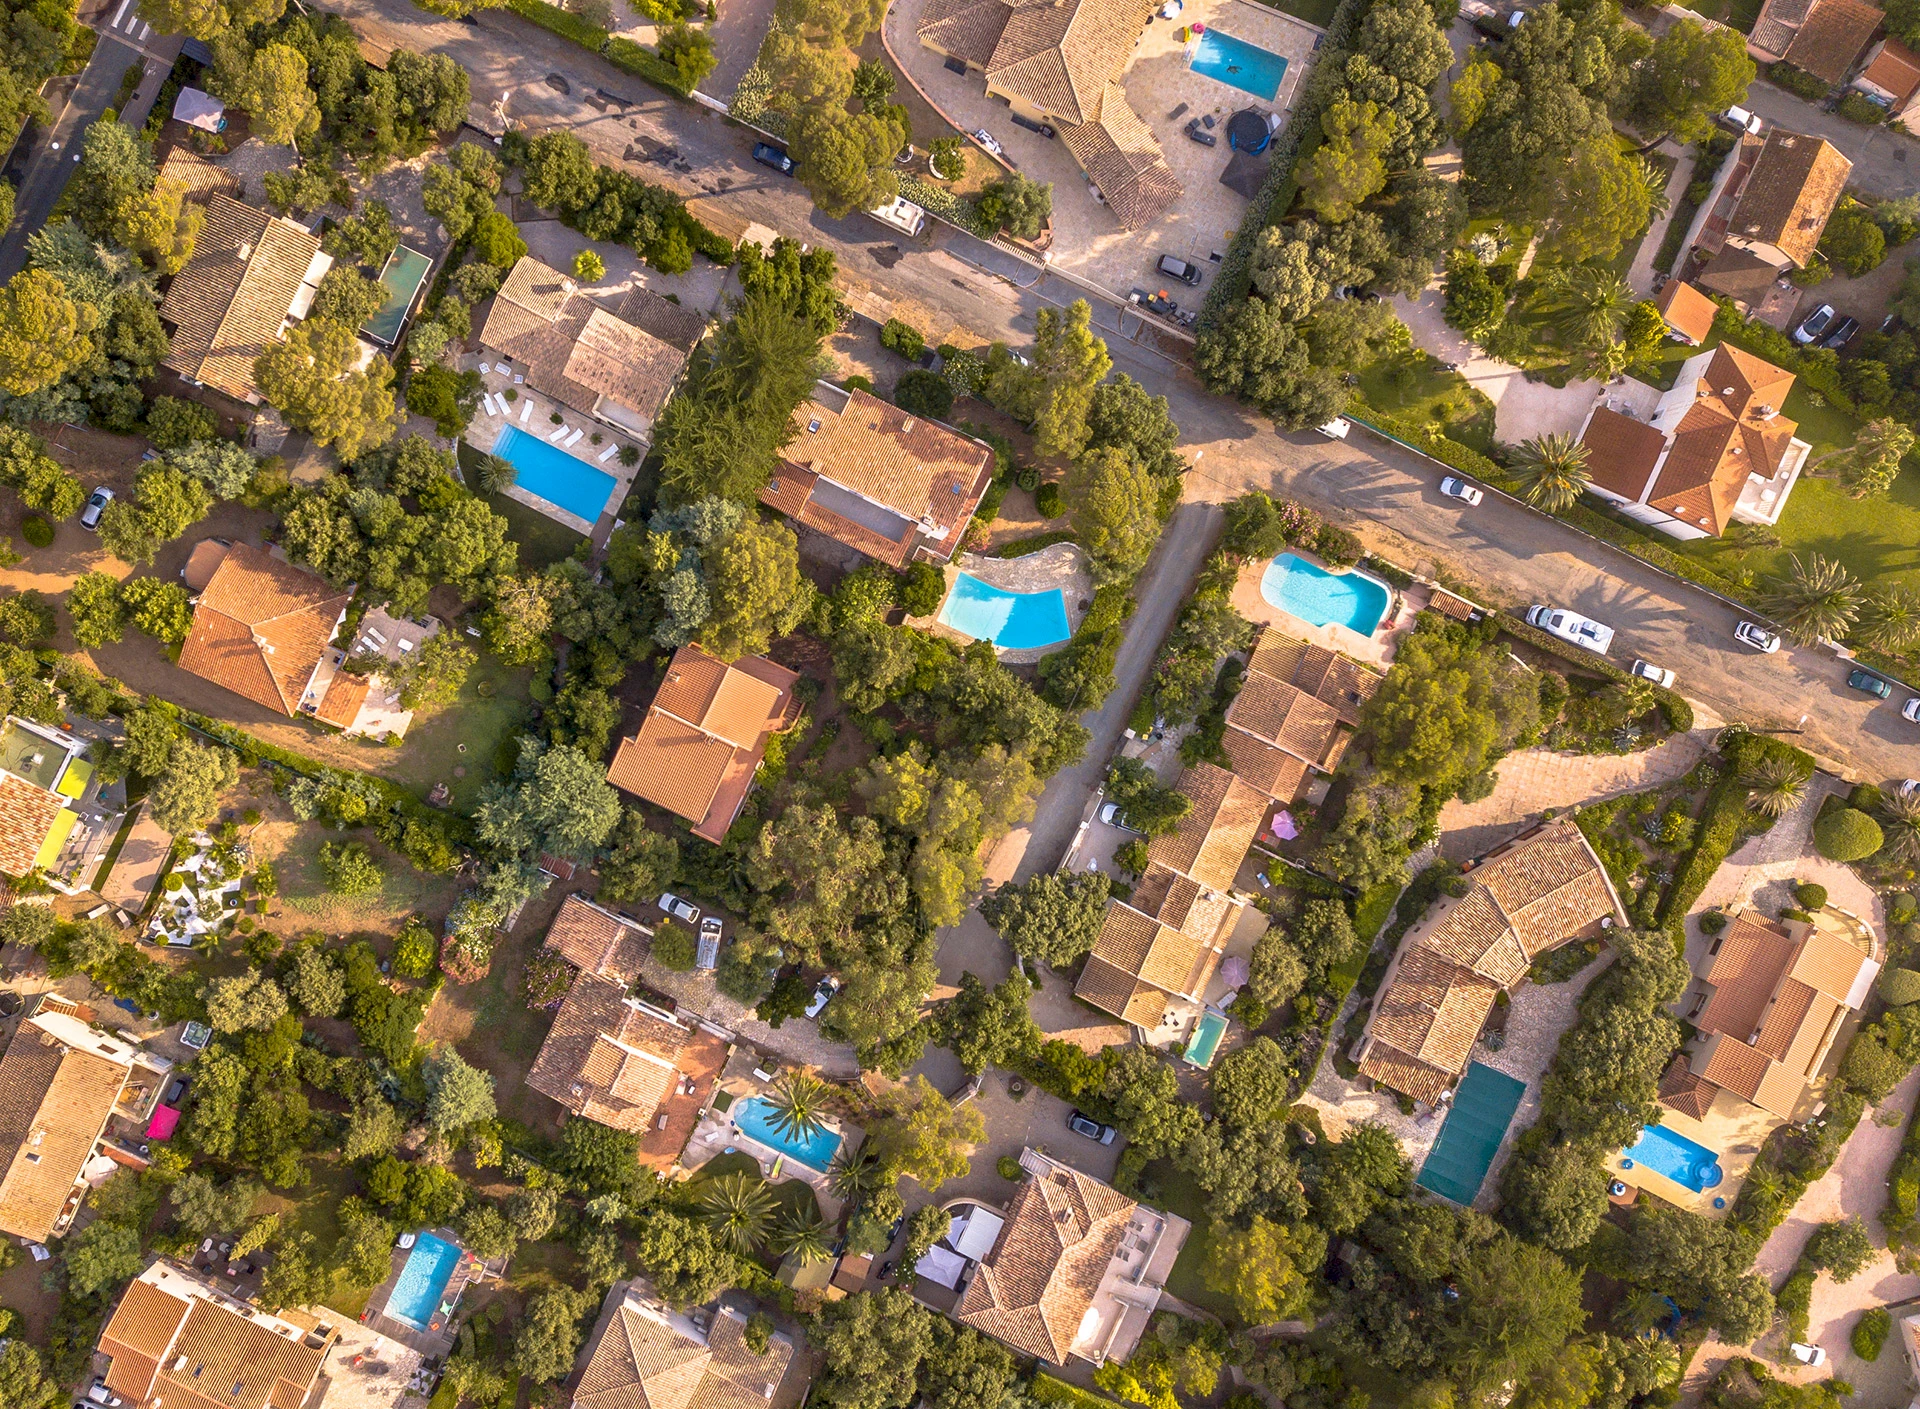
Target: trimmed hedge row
x=639 y=61
x=561 y=22
x=1725 y=817
x=1047 y=1390
x=1673 y=708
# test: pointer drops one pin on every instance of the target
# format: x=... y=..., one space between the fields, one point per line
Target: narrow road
x=1884 y=158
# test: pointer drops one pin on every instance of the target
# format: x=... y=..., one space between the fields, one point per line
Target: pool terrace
x=436 y=1343
x=718 y=1133
x=1060 y=566
x=1375 y=649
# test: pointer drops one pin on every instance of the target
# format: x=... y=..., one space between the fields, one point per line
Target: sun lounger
x=526 y=408
x=487 y=402
x=557 y=434
x=609 y=453
x=572 y=439
x=485 y=367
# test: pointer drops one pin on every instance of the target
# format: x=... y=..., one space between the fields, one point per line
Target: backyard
x=1416 y=386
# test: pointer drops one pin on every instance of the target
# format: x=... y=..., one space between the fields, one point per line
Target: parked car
x=1196 y=132
x=1807 y=1354
x=1648 y=671
x=1336 y=429
x=1739 y=117
x=96 y=505
x=1842 y=334
x=680 y=909
x=1911 y=709
x=1112 y=814
x=1179 y=269
x=1086 y=1125
x=1456 y=488
x=769 y=155
x=821 y=995
x=10 y=1002
x=1910 y=787
x=1156 y=302
x=706 y=955
x=1749 y=633
x=1815 y=324
x=986 y=140
x=1867 y=681
x=1571 y=626
x=1043 y=128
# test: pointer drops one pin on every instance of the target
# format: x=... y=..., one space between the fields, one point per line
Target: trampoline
x=1483 y=1107
x=1247 y=131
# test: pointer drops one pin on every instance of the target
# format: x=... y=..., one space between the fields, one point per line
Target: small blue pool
x=754 y=1118
x=1206 y=1040
x=1239 y=64
x=1350 y=599
x=415 y=1299
x=1682 y=1160
x=1483 y=1107
x=545 y=469
x=1015 y=621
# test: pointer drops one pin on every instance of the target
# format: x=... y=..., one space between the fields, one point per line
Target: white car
x=1456 y=488
x=1113 y=816
x=1911 y=709
x=1807 y=1354
x=828 y=987
x=986 y=140
x=1909 y=787
x=1749 y=633
x=1571 y=626
x=96 y=505
x=680 y=909
x=1648 y=671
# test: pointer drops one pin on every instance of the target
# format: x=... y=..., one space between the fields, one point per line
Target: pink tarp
x=163 y=1123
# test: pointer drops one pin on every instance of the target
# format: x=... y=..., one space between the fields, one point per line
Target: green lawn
x=493 y=704
x=1315 y=12
x=1179 y=1194
x=1417 y=387
x=543 y=541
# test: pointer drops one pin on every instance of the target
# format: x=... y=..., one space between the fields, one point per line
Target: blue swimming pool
x=1206 y=1040
x=1239 y=64
x=753 y=1117
x=423 y=1281
x=1670 y=1153
x=1017 y=621
x=1350 y=599
x=559 y=478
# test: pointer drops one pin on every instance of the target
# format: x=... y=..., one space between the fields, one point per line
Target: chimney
x=1766 y=412
x=245 y=251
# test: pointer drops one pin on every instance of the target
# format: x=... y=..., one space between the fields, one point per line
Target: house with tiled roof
x=1296 y=712
x=899 y=488
x=1892 y=79
x=264 y=629
x=1688 y=313
x=1527 y=897
x=595 y=940
x=1824 y=38
x=1075 y=1269
x=704 y=735
x=642 y=1354
x=1784 y=204
x=617 y=362
x=251 y=275
x=52 y=818
x=1158 y=950
x=1716 y=449
x=1059 y=62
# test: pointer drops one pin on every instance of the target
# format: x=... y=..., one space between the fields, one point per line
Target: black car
x=769 y=155
x=1044 y=129
x=1094 y=1130
x=1179 y=269
x=1842 y=334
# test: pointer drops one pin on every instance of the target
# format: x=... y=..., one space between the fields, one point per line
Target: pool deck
x=716 y=1135
x=1734 y=1129
x=486 y=426
x=430 y=1344
x=1378 y=649
x=1060 y=565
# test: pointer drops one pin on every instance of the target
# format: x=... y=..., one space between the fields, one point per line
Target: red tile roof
x=261 y=628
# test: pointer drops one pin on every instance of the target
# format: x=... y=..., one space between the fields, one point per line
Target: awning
x=164 y=1120
x=63 y=825
x=73 y=782
x=941 y=1265
x=980 y=1234
x=199 y=109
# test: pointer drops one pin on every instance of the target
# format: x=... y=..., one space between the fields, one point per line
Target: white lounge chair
x=487 y=402
x=485 y=367
x=526 y=409
x=518 y=378
x=557 y=434
x=609 y=453
x=574 y=438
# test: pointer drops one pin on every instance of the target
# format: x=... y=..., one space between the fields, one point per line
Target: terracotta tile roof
x=606 y=1057
x=968 y=30
x=1831 y=37
x=1740 y=274
x=1061 y=55
x=1034 y=1288
x=55 y=1098
x=1167 y=940
x=1779 y=21
x=597 y=941
x=1895 y=71
x=1106 y=986
x=1688 y=312
x=1794 y=187
x=197 y=176
x=578 y=352
x=1273 y=771
x=1123 y=158
x=261 y=627
x=1342 y=684
x=229 y=302
x=1733 y=1064
x=235 y=1363
x=1827 y=963
x=137 y=1336
x=640 y=1359
x=201 y=563
x=1792 y=1003
x=1434 y=1010
x=1621 y=452
x=1475 y=933
x=1682 y=1091
x=1386 y=1066
x=27 y=815
x=897 y=466
x=704 y=735
x=341 y=704
x=1286 y=717
x=1732 y=429
x=1213 y=838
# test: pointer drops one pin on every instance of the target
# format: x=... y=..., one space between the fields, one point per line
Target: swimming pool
x=1239 y=64
x=405 y=271
x=554 y=475
x=1670 y=1153
x=1017 y=621
x=415 y=1298
x=754 y=1118
x=1350 y=599
x=1483 y=1107
x=1206 y=1040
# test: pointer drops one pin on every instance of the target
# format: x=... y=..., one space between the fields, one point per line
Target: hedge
x=938 y=201
x=1870 y=1332
x=1673 y=708
x=1021 y=547
x=1725 y=817
x=639 y=61
x=1048 y=1390
x=567 y=26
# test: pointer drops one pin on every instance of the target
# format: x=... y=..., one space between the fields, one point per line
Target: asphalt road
x=1511 y=554
x=1886 y=161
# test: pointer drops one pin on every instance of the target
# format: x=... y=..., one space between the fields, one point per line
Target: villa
x=1296 y=712
x=1532 y=894
x=642 y=1354
x=898 y=488
x=1716 y=448
x=597 y=941
x=1070 y=1268
x=51 y=817
x=262 y=628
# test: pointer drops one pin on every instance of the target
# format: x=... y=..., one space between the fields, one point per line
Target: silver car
x=680 y=909
x=1648 y=671
x=96 y=505
x=1456 y=488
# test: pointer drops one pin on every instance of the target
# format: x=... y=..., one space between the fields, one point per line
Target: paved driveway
x=1522 y=409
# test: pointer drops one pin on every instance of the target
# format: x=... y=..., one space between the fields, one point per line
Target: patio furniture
x=573 y=439
x=526 y=408
x=557 y=434
x=609 y=453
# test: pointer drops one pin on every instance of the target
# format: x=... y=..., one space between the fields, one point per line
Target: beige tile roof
x=1033 y=1289
x=261 y=627
x=597 y=941
x=1342 y=684
x=1272 y=770
x=1687 y=311
x=1779 y=21
x=1831 y=37
x=1213 y=838
x=1828 y=963
x=1396 y=1070
x=606 y=1058
x=1434 y=1010
x=1285 y=717
x=642 y=1360
x=1062 y=55
x=54 y=1101
x=27 y=814
x=1123 y=158
x=1142 y=956
x=1731 y=1063
x=1794 y=187
x=1621 y=452
x=968 y=30
x=137 y=1335
x=199 y=177
x=1475 y=933
x=235 y=1363
x=227 y=305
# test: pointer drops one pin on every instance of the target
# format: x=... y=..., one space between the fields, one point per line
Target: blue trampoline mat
x=1483 y=1107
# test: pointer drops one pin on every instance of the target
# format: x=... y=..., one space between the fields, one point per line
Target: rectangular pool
x=1483 y=1107
x=1668 y=1152
x=415 y=1299
x=554 y=475
x=1206 y=1040
x=753 y=1118
x=1239 y=64
x=403 y=274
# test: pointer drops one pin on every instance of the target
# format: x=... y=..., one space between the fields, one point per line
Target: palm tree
x=739 y=1207
x=1590 y=306
x=795 y=1106
x=1890 y=619
x=1900 y=822
x=1817 y=600
x=1553 y=471
x=803 y=1235
x=855 y=1173
x=1655 y=181
x=1775 y=786
x=1868 y=466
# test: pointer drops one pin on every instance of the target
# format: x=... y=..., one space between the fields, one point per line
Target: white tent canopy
x=975 y=1238
x=941 y=1265
x=199 y=109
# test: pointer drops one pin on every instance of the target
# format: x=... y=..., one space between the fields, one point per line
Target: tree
x=1841 y=1247
x=682 y=1259
x=275 y=94
x=549 y=1336
x=1552 y=470
x=987 y=1026
x=225 y=468
x=151 y=731
x=639 y=861
x=1519 y=1307
x=1603 y=203
x=349 y=868
x=1889 y=619
x=200 y=1206
x=102 y=1256
x=845 y=159
x=1868 y=466
x=44 y=334
x=1817 y=600
x=1068 y=363
x=1900 y=823
x=496 y=240
x=1251 y=1084
x=432 y=674
x=589 y=267
x=208 y=19
x=739 y=1209
x=873 y=1344
x=1115 y=506
x=1263 y=1269
x=1690 y=75
x=1017 y=205
x=757 y=590
x=157 y=607
x=1051 y=917
x=94 y=604
x=311 y=375
x=249 y=1002
x=1350 y=165
x=1588 y=306
x=557 y=804
x=966 y=1370
x=1275 y=970
x=184 y=795
x=1146 y=1102
x=1847 y=834
x=924 y=393
x=1475 y=304
x=689 y=50
x=347 y=295
x=1355 y=1173
x=1853 y=241
x=560 y=173
x=458 y=1095
x=1557 y=1197
x=1775 y=785
x=925 y=1227
x=920 y=1133
x=796 y=1105
x=802 y=1234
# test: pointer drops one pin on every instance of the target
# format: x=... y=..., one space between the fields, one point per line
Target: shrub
x=1902 y=908
x=1870 y=1331
x=1899 y=987
x=1847 y=834
x=1857 y=107
x=673 y=947
x=1050 y=501
x=1799 y=82
x=922 y=393
x=36 y=530
x=1713 y=921
x=1008 y=1167
x=925 y=588
x=1810 y=896
x=349 y=868
x=1336 y=545
x=497 y=241
x=902 y=338
x=413 y=950
x=858 y=383
x=173 y=423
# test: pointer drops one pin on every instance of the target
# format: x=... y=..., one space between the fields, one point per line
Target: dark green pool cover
x=406 y=269
x=1483 y=1105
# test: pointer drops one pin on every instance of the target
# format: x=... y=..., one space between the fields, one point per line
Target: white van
x=1337 y=428
x=902 y=214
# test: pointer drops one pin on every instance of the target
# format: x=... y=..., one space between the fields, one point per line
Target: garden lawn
x=492 y=705
x=543 y=541
x=305 y=903
x=1315 y=12
x=1179 y=1194
x=1416 y=386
